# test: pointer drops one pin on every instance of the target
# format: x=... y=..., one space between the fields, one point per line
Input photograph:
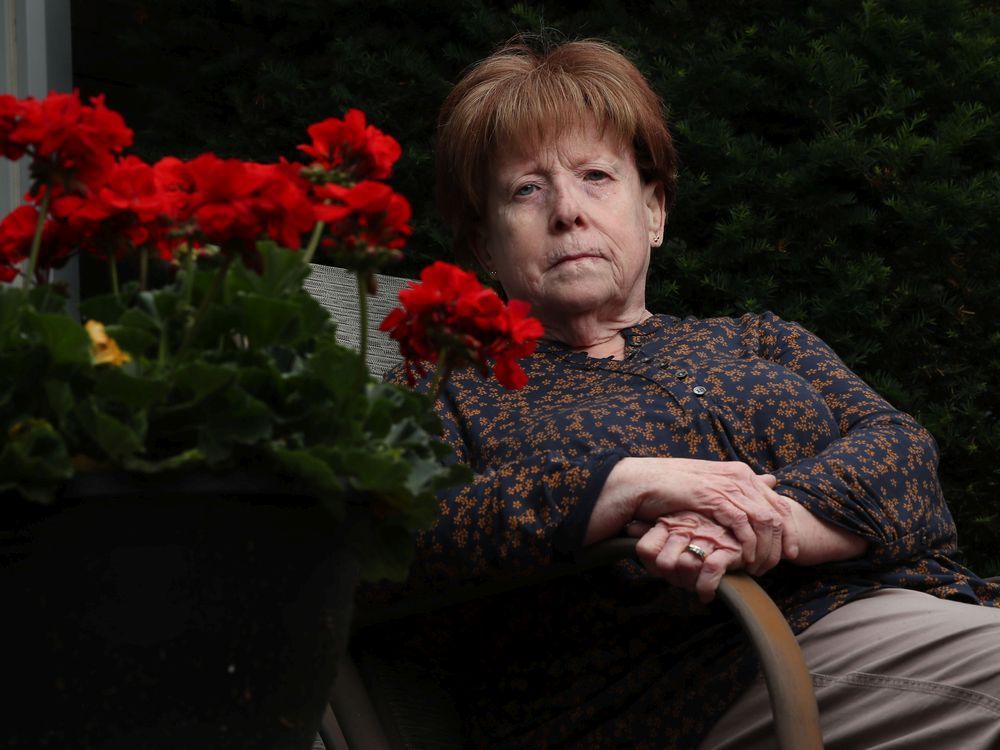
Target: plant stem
x=363 y=309
x=36 y=240
x=161 y=354
x=188 y=287
x=143 y=268
x=206 y=303
x=441 y=373
x=113 y=271
x=310 y=250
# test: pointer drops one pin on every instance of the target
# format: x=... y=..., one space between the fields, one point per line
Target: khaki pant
x=897 y=669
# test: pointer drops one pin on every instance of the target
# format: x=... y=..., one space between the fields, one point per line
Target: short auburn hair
x=519 y=97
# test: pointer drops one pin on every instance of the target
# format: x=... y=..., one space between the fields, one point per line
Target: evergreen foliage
x=838 y=159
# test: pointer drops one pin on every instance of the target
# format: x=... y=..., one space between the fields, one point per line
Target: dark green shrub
x=838 y=158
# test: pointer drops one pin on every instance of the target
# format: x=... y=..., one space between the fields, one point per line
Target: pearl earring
x=493 y=274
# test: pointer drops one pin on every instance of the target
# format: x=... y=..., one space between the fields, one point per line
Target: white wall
x=36 y=57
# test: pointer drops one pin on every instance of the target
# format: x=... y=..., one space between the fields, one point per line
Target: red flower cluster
x=233 y=203
x=350 y=147
x=124 y=212
x=70 y=143
x=368 y=214
x=452 y=319
x=107 y=205
x=73 y=148
x=367 y=222
x=16 y=232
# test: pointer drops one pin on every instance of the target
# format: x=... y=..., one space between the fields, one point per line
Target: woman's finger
x=663 y=552
x=732 y=517
x=786 y=541
x=771 y=532
x=636 y=529
x=648 y=548
x=712 y=570
x=677 y=564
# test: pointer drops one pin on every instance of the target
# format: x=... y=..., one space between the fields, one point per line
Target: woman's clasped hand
x=722 y=507
x=689 y=551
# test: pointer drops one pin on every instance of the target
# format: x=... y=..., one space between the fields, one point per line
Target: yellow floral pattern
x=614 y=658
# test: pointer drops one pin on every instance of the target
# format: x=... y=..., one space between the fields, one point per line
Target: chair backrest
x=337 y=290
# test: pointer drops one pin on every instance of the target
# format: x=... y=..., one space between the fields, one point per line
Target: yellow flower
x=104 y=349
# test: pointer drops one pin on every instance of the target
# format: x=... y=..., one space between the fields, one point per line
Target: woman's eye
x=595 y=175
x=526 y=189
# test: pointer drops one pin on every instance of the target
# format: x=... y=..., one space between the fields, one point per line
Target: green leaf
x=429 y=475
x=191 y=457
x=49 y=298
x=203 y=378
x=378 y=473
x=281 y=275
x=305 y=465
x=235 y=418
x=140 y=320
x=387 y=554
x=107 y=308
x=34 y=460
x=266 y=319
x=136 y=332
x=342 y=370
x=135 y=392
x=59 y=396
x=66 y=340
x=12 y=301
x=114 y=437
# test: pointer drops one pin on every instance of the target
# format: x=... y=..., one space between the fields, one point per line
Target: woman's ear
x=480 y=251
x=655 y=199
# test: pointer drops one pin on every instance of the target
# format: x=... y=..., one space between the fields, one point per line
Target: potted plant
x=193 y=471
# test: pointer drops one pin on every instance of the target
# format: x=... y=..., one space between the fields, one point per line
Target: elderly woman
x=722 y=444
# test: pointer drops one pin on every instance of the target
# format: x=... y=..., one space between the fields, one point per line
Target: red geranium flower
x=452 y=319
x=124 y=213
x=16 y=233
x=233 y=203
x=71 y=143
x=367 y=215
x=10 y=111
x=349 y=146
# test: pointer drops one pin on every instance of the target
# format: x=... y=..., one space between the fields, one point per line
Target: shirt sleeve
x=879 y=479
x=518 y=515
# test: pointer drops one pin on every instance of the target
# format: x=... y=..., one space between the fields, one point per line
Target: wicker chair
x=383 y=703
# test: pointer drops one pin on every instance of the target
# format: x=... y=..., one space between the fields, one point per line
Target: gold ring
x=694 y=548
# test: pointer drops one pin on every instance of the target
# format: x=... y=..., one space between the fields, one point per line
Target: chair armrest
x=789 y=685
x=793 y=703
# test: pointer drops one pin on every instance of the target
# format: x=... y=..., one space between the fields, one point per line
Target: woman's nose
x=567 y=209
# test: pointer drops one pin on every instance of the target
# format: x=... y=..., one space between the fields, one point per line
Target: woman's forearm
x=821 y=541
x=616 y=505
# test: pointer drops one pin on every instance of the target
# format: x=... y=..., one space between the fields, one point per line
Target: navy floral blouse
x=614 y=657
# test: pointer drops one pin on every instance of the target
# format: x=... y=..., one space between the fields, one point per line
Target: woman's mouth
x=575 y=257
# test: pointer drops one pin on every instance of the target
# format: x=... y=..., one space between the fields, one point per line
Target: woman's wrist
x=821 y=541
x=616 y=504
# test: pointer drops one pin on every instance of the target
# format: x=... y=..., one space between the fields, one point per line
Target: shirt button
x=681 y=374
x=699 y=390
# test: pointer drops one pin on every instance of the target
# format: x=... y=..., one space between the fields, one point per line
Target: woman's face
x=569 y=228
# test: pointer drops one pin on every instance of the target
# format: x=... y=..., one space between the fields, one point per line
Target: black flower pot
x=204 y=612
